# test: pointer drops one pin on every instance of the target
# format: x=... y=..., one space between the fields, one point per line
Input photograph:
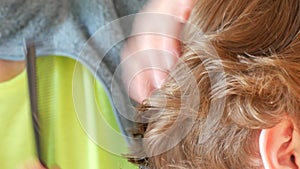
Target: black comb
x=32 y=86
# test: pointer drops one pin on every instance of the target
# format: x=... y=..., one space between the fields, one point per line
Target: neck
x=10 y=69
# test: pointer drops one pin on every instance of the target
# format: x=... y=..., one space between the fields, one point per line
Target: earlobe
x=279 y=146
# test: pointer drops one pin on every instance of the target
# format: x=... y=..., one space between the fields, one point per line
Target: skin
x=144 y=82
x=10 y=69
x=34 y=164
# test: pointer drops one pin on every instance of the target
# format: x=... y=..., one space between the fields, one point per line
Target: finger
x=55 y=167
x=149 y=42
x=178 y=8
x=186 y=8
x=139 y=87
x=146 y=71
x=146 y=60
x=142 y=85
x=33 y=164
x=163 y=18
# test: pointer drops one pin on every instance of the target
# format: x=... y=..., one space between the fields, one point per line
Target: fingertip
x=140 y=95
x=139 y=89
x=55 y=167
x=188 y=3
x=185 y=14
x=186 y=9
x=32 y=164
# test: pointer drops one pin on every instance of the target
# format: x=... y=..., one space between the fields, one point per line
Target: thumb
x=33 y=164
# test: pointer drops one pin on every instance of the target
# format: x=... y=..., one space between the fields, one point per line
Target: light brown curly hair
x=243 y=78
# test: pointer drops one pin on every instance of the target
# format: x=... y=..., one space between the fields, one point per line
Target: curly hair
x=238 y=75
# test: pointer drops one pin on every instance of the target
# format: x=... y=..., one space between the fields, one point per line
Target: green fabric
x=16 y=143
x=66 y=140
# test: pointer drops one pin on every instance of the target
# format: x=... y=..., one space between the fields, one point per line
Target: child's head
x=250 y=121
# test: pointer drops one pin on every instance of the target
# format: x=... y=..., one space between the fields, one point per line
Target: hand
x=34 y=164
x=147 y=58
x=10 y=69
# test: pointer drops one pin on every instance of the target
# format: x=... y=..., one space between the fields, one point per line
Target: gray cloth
x=64 y=24
x=63 y=27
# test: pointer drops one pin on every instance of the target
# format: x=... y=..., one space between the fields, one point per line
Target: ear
x=279 y=146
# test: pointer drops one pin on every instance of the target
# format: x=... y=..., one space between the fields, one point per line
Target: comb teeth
x=32 y=86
